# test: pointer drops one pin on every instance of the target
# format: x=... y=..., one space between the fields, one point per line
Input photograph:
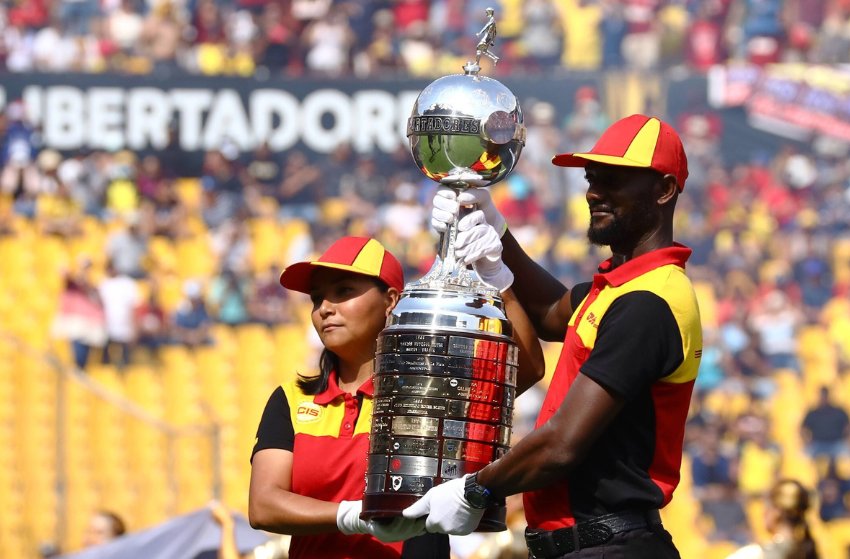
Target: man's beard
x=624 y=230
x=611 y=234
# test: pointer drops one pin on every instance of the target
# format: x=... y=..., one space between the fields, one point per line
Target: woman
x=308 y=467
x=785 y=521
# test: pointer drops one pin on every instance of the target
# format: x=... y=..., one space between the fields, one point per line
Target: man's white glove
x=391 y=530
x=478 y=244
x=447 y=205
x=446 y=510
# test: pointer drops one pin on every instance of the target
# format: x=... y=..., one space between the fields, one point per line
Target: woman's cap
x=636 y=141
x=358 y=255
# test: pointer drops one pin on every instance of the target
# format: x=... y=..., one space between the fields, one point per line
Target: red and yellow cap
x=636 y=141
x=358 y=255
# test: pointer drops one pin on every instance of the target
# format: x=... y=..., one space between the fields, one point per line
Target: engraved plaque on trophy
x=446 y=363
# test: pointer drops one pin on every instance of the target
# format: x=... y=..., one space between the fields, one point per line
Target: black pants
x=427 y=546
x=644 y=543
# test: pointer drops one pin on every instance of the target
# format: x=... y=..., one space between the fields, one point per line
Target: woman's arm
x=532 y=365
x=273 y=507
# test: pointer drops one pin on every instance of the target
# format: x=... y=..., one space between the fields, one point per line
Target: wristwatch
x=478 y=496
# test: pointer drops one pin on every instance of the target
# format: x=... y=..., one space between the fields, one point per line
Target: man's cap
x=358 y=255
x=636 y=141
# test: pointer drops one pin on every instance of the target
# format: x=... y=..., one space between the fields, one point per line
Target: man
x=606 y=451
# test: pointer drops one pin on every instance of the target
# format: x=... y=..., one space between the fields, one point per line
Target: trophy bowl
x=466 y=130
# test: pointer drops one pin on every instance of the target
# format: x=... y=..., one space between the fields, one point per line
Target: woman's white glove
x=395 y=530
x=446 y=510
x=479 y=244
x=447 y=204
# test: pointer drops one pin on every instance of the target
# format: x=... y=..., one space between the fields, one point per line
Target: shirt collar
x=333 y=391
x=677 y=255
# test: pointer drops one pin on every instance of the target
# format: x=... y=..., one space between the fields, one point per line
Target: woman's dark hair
x=791 y=498
x=116 y=523
x=328 y=362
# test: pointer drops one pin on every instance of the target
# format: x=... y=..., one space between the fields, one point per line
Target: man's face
x=622 y=204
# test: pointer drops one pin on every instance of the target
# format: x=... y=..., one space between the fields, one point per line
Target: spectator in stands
x=834 y=494
x=267 y=303
x=56 y=212
x=711 y=466
x=264 y=168
x=229 y=549
x=542 y=35
x=785 y=522
x=120 y=297
x=127 y=248
x=825 y=428
x=301 y=189
x=228 y=298
x=80 y=318
x=404 y=216
x=103 y=527
x=161 y=38
x=328 y=42
x=151 y=323
x=223 y=191
x=760 y=458
x=775 y=320
x=191 y=321
x=165 y=211
x=18 y=151
x=231 y=245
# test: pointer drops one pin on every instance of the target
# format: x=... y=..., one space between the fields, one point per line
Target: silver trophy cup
x=446 y=364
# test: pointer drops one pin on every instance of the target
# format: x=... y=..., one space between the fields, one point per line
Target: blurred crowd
x=411 y=37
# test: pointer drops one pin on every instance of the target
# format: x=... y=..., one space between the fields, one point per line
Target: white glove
x=398 y=529
x=447 y=204
x=478 y=244
x=446 y=509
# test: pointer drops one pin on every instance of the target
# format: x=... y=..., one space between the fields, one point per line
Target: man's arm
x=543 y=456
x=545 y=299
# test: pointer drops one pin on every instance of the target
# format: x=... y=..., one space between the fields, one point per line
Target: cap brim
x=581 y=159
x=297 y=277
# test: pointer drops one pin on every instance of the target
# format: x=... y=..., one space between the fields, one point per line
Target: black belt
x=545 y=544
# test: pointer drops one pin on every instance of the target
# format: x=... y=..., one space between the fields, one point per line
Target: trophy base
x=390 y=506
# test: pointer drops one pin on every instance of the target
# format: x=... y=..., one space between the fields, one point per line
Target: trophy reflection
x=446 y=364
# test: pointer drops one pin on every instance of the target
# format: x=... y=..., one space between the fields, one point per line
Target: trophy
x=446 y=362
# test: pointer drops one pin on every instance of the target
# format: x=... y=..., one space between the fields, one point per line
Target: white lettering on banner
x=190 y=105
x=265 y=105
x=375 y=112
x=315 y=106
x=64 y=122
x=228 y=121
x=138 y=118
x=33 y=96
x=148 y=116
x=106 y=117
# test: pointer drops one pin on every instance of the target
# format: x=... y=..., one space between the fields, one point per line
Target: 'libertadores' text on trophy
x=446 y=363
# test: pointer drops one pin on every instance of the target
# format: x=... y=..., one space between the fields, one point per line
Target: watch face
x=476 y=495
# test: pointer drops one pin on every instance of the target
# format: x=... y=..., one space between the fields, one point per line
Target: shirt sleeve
x=638 y=343
x=578 y=293
x=275 y=430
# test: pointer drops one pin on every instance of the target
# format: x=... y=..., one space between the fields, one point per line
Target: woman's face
x=349 y=311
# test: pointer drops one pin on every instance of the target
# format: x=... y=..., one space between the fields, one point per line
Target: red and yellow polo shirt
x=328 y=434
x=636 y=330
